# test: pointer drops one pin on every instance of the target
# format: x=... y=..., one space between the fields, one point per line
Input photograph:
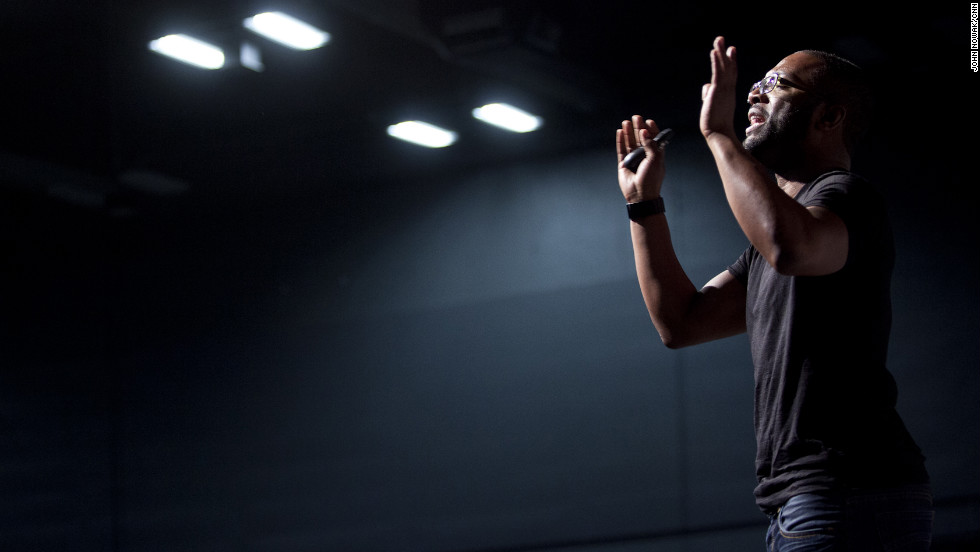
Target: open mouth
x=757 y=118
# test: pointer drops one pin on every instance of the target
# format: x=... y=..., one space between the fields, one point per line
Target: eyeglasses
x=770 y=83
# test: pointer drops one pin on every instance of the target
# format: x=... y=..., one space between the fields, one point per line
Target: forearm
x=667 y=290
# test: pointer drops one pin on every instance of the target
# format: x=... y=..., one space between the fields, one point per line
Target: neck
x=791 y=187
x=791 y=181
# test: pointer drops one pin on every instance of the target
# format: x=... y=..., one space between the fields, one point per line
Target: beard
x=778 y=143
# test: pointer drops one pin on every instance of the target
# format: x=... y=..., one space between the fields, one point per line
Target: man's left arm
x=794 y=239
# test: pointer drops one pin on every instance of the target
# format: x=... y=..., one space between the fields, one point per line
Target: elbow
x=777 y=243
x=673 y=341
x=800 y=262
x=784 y=261
x=801 y=250
x=674 y=345
x=783 y=254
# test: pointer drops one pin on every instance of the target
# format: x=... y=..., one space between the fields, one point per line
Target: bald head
x=839 y=82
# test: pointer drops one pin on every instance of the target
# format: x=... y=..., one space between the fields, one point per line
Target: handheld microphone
x=633 y=158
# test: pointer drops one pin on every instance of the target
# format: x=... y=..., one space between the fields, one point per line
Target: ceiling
x=93 y=115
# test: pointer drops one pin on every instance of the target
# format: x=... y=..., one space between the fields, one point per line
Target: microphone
x=633 y=158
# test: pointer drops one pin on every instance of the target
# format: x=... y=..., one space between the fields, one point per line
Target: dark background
x=237 y=316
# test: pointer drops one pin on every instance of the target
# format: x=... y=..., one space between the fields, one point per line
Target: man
x=837 y=469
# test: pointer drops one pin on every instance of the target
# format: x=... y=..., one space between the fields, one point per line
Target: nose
x=755 y=96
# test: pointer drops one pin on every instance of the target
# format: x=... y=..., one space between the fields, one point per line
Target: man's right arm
x=682 y=314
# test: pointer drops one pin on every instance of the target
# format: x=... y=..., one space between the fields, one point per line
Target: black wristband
x=643 y=209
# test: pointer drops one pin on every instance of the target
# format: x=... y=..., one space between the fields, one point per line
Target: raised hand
x=718 y=96
x=645 y=183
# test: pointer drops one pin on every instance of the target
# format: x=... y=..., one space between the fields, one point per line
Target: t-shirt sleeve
x=847 y=196
x=853 y=200
x=740 y=268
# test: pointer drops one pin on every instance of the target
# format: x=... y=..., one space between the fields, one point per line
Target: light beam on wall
x=508 y=117
x=189 y=50
x=423 y=134
x=287 y=30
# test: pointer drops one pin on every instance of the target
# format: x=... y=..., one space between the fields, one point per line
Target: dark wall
x=459 y=362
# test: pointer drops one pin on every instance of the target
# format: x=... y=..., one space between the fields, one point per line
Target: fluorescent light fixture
x=287 y=30
x=422 y=134
x=508 y=117
x=189 y=50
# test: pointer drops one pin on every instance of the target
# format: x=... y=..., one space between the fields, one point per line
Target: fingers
x=623 y=137
x=636 y=133
x=648 y=131
x=632 y=131
x=629 y=134
x=715 y=62
x=723 y=65
x=644 y=131
x=718 y=47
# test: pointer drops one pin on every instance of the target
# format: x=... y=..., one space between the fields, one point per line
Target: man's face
x=779 y=120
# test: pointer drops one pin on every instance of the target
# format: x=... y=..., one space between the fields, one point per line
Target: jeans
x=895 y=520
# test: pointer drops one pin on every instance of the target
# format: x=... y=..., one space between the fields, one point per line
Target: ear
x=830 y=116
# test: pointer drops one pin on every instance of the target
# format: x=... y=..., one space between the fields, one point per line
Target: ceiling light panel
x=189 y=50
x=508 y=117
x=423 y=134
x=287 y=30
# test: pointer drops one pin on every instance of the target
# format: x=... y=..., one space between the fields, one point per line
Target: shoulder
x=839 y=182
x=844 y=193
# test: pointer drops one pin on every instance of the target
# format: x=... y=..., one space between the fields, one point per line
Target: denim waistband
x=856 y=496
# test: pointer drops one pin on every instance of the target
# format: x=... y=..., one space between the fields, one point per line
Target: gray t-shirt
x=825 y=416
